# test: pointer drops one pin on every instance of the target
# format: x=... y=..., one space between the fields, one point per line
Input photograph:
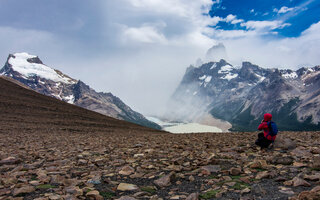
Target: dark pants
x=262 y=141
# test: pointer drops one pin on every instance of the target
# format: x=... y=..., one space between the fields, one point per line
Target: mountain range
x=30 y=71
x=241 y=95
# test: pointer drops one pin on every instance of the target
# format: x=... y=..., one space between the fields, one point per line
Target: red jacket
x=264 y=126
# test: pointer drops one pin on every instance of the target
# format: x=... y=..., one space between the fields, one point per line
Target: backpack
x=273 y=129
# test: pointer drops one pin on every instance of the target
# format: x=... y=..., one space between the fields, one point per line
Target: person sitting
x=269 y=132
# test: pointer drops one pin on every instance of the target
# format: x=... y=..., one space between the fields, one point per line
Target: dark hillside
x=23 y=109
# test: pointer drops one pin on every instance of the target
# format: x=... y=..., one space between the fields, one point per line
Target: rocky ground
x=53 y=150
x=144 y=165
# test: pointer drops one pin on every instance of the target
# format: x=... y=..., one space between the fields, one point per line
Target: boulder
x=279 y=159
x=165 y=180
x=284 y=143
x=193 y=196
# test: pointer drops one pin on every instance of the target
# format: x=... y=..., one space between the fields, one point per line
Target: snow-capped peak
x=20 y=63
x=24 y=55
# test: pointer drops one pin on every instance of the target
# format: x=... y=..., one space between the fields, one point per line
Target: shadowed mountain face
x=25 y=110
x=242 y=95
x=30 y=71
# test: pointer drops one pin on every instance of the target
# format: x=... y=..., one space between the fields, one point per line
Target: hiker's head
x=267 y=117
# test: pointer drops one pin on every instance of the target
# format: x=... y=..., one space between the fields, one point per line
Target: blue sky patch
x=295 y=15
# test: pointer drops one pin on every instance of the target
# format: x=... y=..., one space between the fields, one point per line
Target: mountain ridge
x=242 y=95
x=30 y=71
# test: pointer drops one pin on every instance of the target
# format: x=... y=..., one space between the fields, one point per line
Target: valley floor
x=154 y=165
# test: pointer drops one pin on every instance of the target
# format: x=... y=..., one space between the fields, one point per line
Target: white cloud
x=232 y=19
x=284 y=9
x=215 y=20
x=144 y=34
x=236 y=21
x=264 y=25
x=232 y=34
x=178 y=7
x=282 y=53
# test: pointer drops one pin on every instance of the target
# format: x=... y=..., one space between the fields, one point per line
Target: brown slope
x=25 y=110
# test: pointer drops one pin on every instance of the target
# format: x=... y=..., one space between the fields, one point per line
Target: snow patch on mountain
x=208 y=79
x=21 y=64
x=225 y=69
x=213 y=66
x=289 y=75
x=202 y=77
x=230 y=76
x=261 y=78
x=69 y=99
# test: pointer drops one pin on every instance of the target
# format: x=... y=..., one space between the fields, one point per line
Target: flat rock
x=235 y=171
x=245 y=191
x=127 y=187
x=285 y=190
x=165 y=180
x=55 y=197
x=10 y=161
x=261 y=175
x=207 y=170
x=23 y=190
x=126 y=170
x=314 y=177
x=300 y=182
x=126 y=198
x=95 y=194
x=193 y=196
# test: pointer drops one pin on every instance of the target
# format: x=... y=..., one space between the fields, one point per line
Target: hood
x=267 y=117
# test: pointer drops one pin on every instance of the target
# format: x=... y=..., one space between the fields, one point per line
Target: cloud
x=283 y=10
x=233 y=19
x=178 y=7
x=264 y=25
x=144 y=34
x=283 y=53
x=231 y=34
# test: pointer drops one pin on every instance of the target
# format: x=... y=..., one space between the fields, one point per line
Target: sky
x=140 y=49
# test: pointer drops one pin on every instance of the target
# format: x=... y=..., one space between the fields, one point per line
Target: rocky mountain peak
x=216 y=52
x=242 y=95
x=30 y=71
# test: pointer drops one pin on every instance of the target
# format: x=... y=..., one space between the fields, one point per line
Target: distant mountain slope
x=242 y=95
x=31 y=71
x=23 y=109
